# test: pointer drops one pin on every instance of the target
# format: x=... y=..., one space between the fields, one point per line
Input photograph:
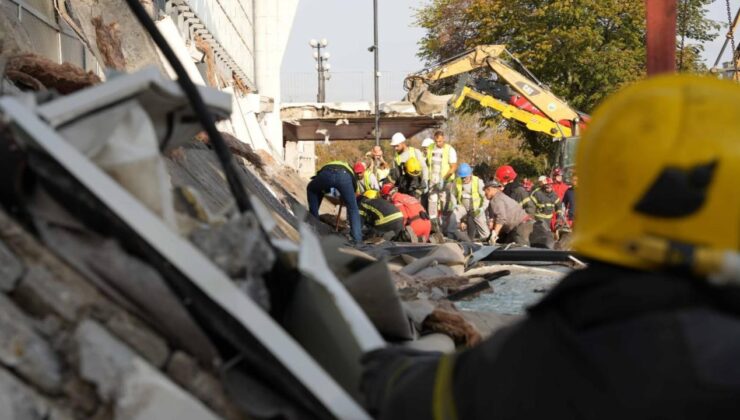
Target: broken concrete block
x=238 y=247
x=241 y=250
x=146 y=394
x=184 y=370
x=139 y=337
x=25 y=351
x=134 y=387
x=44 y=294
x=11 y=269
x=18 y=401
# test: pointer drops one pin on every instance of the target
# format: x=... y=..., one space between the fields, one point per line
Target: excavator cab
x=566 y=156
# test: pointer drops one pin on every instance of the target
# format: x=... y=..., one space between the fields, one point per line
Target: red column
x=661 y=36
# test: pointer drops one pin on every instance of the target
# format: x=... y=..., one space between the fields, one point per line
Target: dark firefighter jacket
x=545 y=204
x=606 y=343
x=516 y=192
x=377 y=213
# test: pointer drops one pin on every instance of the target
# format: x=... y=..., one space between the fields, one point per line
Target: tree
x=693 y=25
x=582 y=49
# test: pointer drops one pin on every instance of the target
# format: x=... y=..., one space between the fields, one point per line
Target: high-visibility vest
x=366 y=181
x=445 y=160
x=477 y=201
x=412 y=153
x=344 y=165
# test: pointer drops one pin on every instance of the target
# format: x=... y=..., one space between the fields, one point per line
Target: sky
x=348 y=27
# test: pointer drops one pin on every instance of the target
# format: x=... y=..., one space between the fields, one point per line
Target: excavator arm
x=532 y=104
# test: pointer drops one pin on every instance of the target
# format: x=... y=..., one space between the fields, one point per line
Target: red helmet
x=386 y=189
x=505 y=174
x=556 y=172
x=359 y=168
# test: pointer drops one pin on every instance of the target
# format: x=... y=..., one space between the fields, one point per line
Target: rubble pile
x=68 y=351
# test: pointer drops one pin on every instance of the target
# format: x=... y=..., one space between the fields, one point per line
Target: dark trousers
x=542 y=235
x=341 y=180
x=388 y=230
x=520 y=234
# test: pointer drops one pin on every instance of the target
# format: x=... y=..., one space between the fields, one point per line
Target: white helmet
x=427 y=142
x=397 y=139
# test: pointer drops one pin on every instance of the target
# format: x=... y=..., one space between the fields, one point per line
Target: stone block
x=136 y=390
x=18 y=401
x=44 y=293
x=26 y=351
x=11 y=269
x=184 y=370
x=139 y=337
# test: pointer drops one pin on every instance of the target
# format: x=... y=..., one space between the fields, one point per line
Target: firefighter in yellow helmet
x=411 y=181
x=651 y=328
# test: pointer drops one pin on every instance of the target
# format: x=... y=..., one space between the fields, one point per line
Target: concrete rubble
x=132 y=287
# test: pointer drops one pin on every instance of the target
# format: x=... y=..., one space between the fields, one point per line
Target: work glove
x=383 y=367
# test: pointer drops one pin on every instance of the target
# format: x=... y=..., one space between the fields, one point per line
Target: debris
x=46 y=74
x=24 y=350
x=108 y=39
x=11 y=269
x=454 y=325
x=138 y=390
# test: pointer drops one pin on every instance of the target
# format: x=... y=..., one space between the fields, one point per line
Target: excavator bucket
x=425 y=102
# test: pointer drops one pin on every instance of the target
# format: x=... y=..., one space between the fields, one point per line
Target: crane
x=514 y=95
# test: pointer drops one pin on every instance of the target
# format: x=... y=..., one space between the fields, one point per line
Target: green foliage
x=693 y=25
x=582 y=49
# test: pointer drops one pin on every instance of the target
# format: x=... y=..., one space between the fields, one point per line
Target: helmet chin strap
x=720 y=267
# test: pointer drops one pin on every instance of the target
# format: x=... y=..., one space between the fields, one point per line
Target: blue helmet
x=464 y=170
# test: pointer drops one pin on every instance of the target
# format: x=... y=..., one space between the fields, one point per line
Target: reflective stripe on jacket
x=545 y=204
x=377 y=213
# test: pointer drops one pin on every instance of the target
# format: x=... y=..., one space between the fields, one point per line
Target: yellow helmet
x=658 y=169
x=413 y=167
x=371 y=194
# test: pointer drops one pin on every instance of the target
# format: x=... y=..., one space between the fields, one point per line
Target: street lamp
x=322 y=66
x=376 y=74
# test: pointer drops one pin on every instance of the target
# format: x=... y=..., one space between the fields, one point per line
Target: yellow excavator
x=514 y=95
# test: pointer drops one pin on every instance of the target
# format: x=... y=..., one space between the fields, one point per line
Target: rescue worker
x=365 y=179
x=442 y=163
x=410 y=180
x=404 y=152
x=527 y=184
x=468 y=205
x=507 y=220
x=558 y=185
x=340 y=176
x=414 y=215
x=378 y=165
x=506 y=175
x=651 y=328
x=381 y=218
x=547 y=206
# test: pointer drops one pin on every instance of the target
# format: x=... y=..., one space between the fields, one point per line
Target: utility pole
x=376 y=77
x=322 y=67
